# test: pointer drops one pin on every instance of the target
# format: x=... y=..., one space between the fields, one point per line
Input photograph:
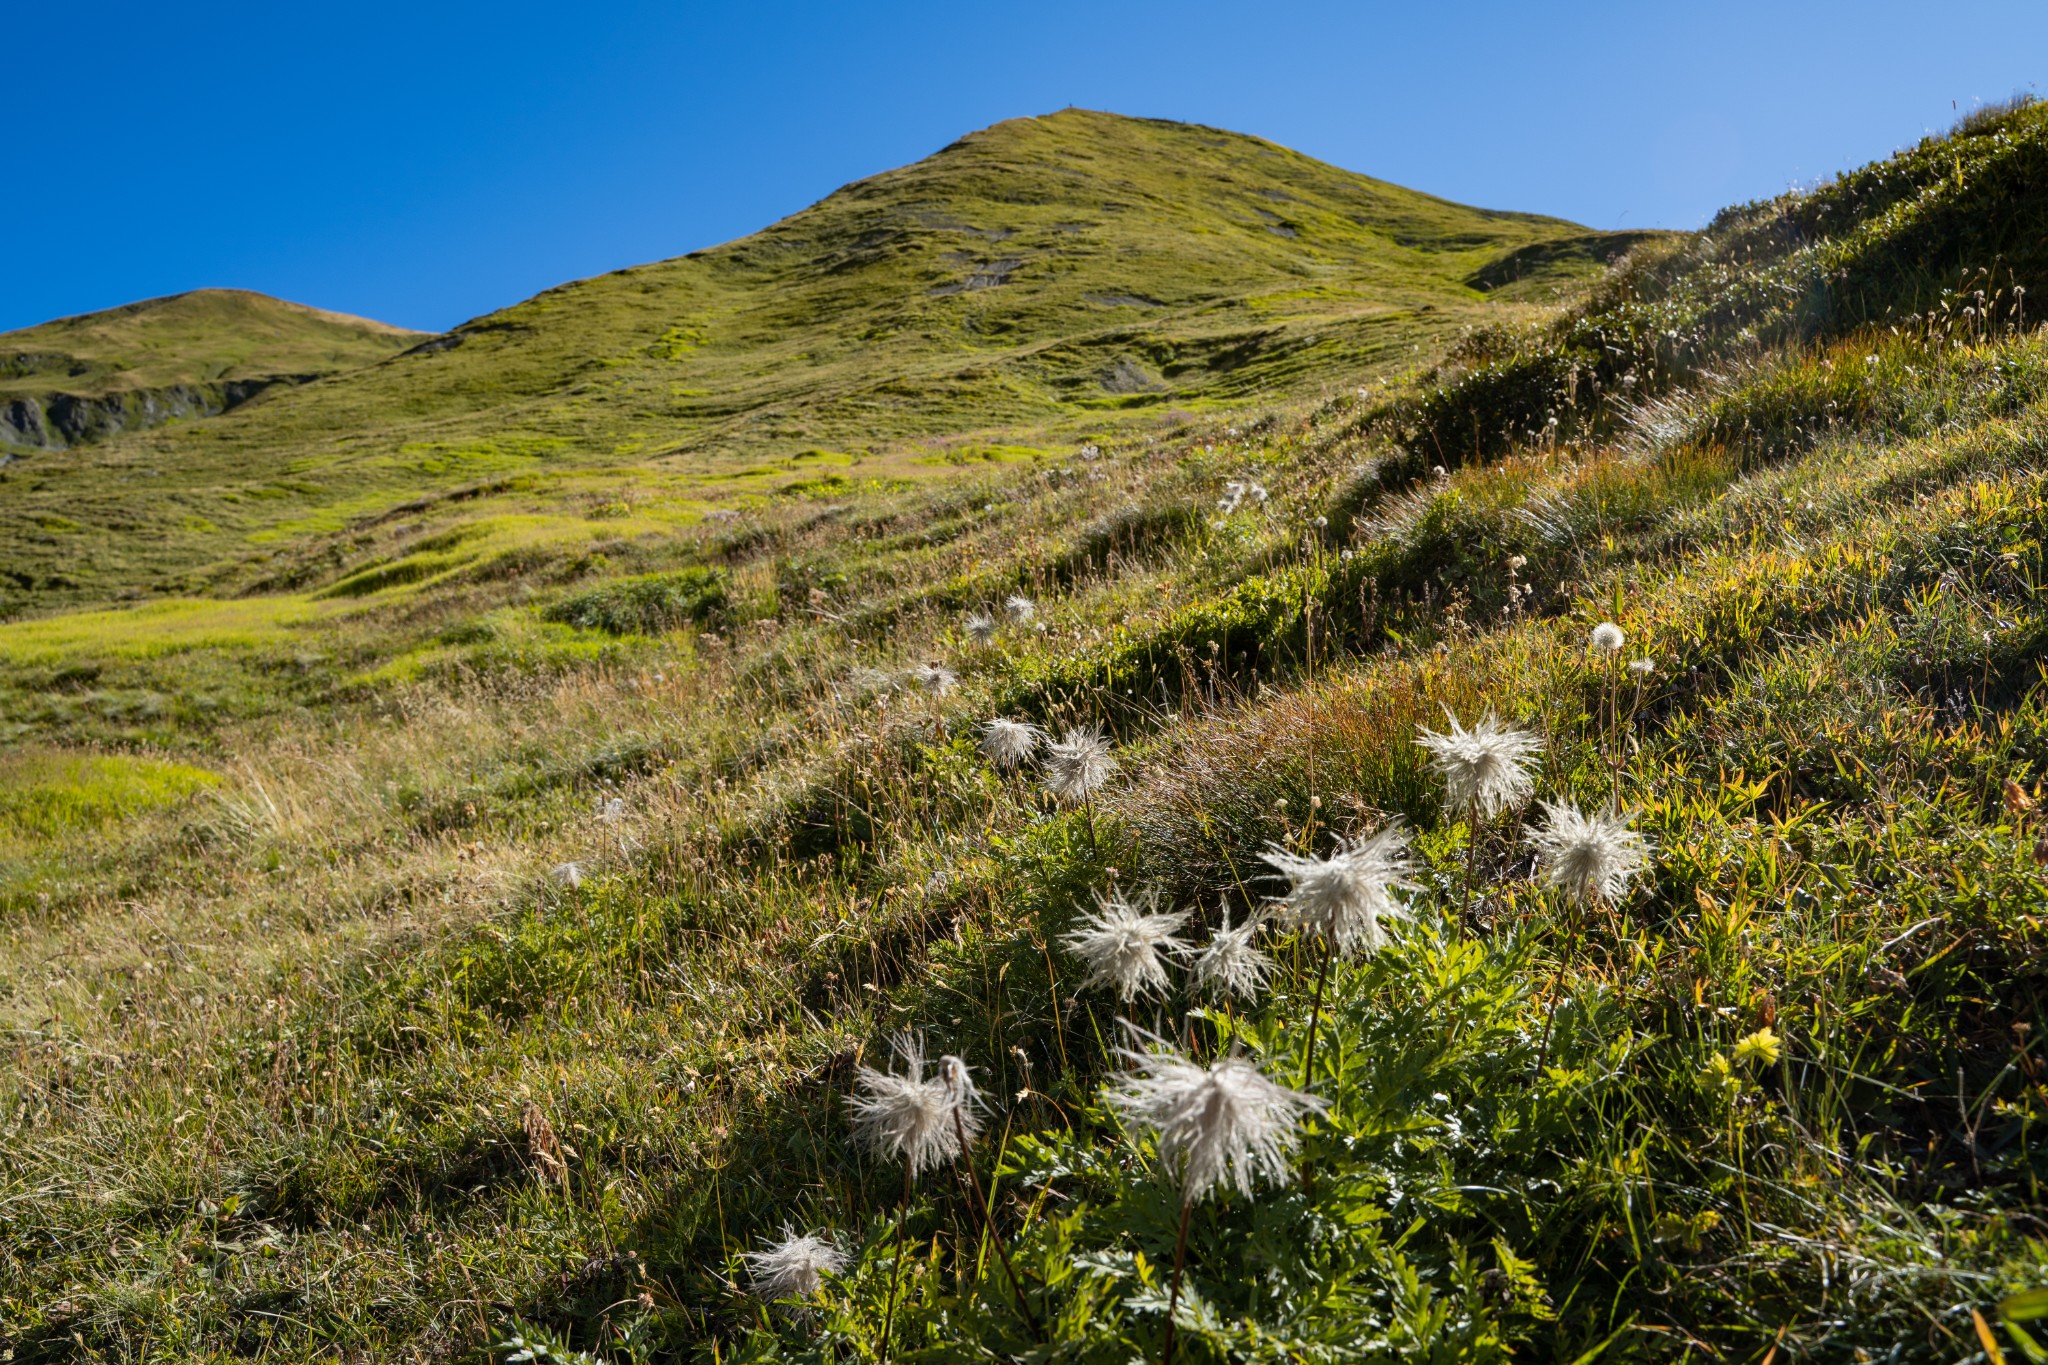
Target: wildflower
x=567 y=875
x=1763 y=1047
x=1077 y=764
x=1221 y=1123
x=1642 y=668
x=1322 y=523
x=1607 y=638
x=1122 y=943
x=1229 y=964
x=935 y=678
x=1010 y=743
x=1483 y=767
x=1589 y=857
x=981 y=627
x=613 y=811
x=917 y=1121
x=795 y=1267
x=1344 y=897
x=1236 y=491
x=1020 y=608
x=1516 y=563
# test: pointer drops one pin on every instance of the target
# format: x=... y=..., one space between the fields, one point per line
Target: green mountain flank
x=87 y=378
x=485 y=925
x=1034 y=285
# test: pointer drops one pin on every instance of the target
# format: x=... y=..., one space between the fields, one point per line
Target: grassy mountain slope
x=520 y=991
x=91 y=376
x=1034 y=283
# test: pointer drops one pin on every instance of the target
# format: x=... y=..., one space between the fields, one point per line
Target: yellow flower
x=1762 y=1047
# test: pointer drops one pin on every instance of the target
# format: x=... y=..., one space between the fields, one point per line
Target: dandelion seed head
x=981 y=627
x=1020 y=608
x=1229 y=964
x=935 y=678
x=1588 y=857
x=1077 y=764
x=1344 y=898
x=1607 y=638
x=908 y=1116
x=567 y=875
x=1010 y=744
x=795 y=1267
x=1484 y=767
x=1642 y=668
x=1216 y=1124
x=1126 y=945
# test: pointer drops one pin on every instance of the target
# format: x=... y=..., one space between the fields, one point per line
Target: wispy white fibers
x=1077 y=764
x=1229 y=964
x=795 y=1267
x=935 y=678
x=1607 y=638
x=981 y=627
x=1020 y=608
x=1126 y=945
x=912 y=1118
x=1010 y=744
x=1588 y=857
x=1345 y=897
x=1483 y=768
x=1215 y=1124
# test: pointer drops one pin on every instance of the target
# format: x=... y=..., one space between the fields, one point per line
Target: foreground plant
x=1484 y=772
x=1125 y=945
x=1225 y=1122
x=794 y=1267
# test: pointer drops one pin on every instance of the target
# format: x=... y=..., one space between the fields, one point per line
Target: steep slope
x=93 y=376
x=1041 y=279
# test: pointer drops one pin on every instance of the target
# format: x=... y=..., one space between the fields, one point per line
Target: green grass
x=335 y=1063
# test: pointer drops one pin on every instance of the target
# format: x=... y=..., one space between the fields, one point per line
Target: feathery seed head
x=910 y=1117
x=981 y=627
x=568 y=876
x=936 y=678
x=1010 y=743
x=1122 y=944
x=1343 y=898
x=1229 y=964
x=1484 y=766
x=1020 y=608
x=1607 y=638
x=1588 y=857
x=1077 y=764
x=795 y=1267
x=1642 y=668
x=1220 y=1123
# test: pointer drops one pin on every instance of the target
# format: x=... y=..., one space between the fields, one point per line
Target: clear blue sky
x=426 y=162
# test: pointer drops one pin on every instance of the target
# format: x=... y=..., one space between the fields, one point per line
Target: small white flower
x=981 y=627
x=1588 y=857
x=1077 y=764
x=1223 y=1123
x=1122 y=944
x=795 y=1267
x=1010 y=744
x=1343 y=898
x=1607 y=638
x=1020 y=608
x=567 y=875
x=1229 y=964
x=910 y=1118
x=1483 y=766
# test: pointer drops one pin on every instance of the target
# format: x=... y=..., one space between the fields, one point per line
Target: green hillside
x=1041 y=281
x=90 y=377
x=424 y=952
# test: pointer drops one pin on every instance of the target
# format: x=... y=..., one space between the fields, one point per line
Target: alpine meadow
x=1117 y=745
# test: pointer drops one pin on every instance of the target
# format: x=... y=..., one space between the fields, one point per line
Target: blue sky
x=423 y=163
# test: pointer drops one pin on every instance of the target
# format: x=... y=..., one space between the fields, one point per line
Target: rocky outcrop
x=53 y=421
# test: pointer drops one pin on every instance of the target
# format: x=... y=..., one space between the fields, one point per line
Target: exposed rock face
x=54 y=421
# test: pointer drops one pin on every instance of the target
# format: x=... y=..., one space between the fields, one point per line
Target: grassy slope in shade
x=318 y=1053
x=1039 y=281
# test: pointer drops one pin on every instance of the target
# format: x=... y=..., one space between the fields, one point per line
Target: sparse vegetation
x=500 y=964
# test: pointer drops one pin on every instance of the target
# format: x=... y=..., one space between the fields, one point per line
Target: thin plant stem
x=1315 y=1017
x=988 y=1230
x=896 y=1269
x=1471 y=866
x=1180 y=1260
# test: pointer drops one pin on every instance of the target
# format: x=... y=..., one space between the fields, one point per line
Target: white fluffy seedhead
x=1344 y=898
x=981 y=627
x=935 y=678
x=1229 y=964
x=1077 y=764
x=1008 y=743
x=1607 y=638
x=1020 y=608
x=795 y=1267
x=1588 y=857
x=1484 y=767
x=1126 y=945
x=913 y=1118
x=1215 y=1124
